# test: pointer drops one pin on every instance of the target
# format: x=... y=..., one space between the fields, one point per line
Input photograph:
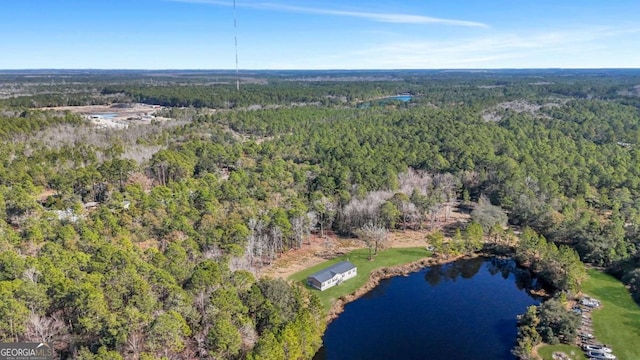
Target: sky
x=327 y=34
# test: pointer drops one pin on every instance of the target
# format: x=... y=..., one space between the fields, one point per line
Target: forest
x=147 y=242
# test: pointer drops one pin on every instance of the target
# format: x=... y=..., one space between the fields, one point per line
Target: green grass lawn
x=617 y=323
x=360 y=258
x=575 y=353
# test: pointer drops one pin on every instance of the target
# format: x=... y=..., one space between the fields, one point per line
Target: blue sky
x=331 y=34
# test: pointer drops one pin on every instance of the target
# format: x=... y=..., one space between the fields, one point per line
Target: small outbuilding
x=333 y=275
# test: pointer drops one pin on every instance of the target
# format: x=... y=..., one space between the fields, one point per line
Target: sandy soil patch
x=318 y=249
x=45 y=194
x=519 y=106
x=117 y=116
x=314 y=251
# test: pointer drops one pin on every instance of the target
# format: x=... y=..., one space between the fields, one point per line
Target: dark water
x=463 y=310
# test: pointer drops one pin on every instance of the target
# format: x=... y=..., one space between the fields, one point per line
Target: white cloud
x=544 y=49
x=396 y=18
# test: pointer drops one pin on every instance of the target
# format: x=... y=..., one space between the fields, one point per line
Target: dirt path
x=319 y=250
x=313 y=252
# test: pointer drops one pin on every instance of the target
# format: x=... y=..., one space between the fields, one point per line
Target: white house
x=333 y=275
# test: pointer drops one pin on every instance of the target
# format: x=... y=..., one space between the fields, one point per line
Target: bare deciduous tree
x=488 y=215
x=448 y=185
x=201 y=345
x=31 y=274
x=312 y=220
x=427 y=197
x=413 y=179
x=44 y=328
x=326 y=210
x=359 y=212
x=249 y=336
x=374 y=236
x=409 y=213
x=135 y=344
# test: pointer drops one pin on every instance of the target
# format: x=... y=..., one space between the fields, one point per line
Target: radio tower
x=235 y=28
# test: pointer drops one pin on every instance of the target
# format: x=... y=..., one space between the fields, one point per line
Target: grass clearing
x=575 y=353
x=360 y=258
x=617 y=322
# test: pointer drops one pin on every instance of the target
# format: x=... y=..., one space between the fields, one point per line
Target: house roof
x=331 y=271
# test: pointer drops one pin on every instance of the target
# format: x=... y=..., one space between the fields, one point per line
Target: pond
x=105 y=115
x=404 y=98
x=463 y=310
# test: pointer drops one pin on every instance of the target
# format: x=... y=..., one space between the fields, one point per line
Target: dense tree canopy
x=148 y=256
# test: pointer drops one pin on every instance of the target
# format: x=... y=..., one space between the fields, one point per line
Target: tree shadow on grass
x=414 y=252
x=635 y=325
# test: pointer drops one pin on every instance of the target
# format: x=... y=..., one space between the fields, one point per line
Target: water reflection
x=463 y=310
x=379 y=290
x=468 y=268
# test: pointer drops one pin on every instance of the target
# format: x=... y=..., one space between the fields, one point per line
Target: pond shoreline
x=386 y=273
x=420 y=307
x=402 y=270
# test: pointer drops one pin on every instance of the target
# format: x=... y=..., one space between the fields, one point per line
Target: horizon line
x=324 y=69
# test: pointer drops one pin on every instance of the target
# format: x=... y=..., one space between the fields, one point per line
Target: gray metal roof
x=328 y=273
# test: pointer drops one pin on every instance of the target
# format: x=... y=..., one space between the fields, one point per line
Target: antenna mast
x=235 y=28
